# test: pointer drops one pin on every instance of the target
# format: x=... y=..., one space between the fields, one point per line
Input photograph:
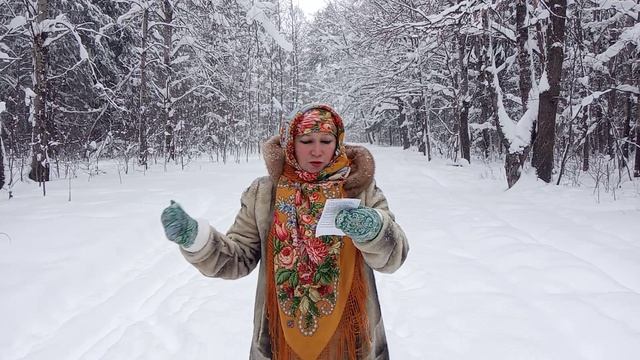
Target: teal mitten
x=178 y=225
x=362 y=224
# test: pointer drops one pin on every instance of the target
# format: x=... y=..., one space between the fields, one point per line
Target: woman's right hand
x=179 y=227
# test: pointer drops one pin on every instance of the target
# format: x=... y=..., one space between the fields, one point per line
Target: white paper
x=327 y=223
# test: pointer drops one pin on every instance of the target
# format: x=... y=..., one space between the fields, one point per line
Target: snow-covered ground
x=536 y=272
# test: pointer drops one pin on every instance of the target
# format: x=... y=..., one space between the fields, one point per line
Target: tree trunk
x=402 y=126
x=281 y=70
x=586 y=147
x=607 y=132
x=626 y=131
x=169 y=142
x=421 y=120
x=485 y=99
x=425 y=130
x=542 y=59
x=422 y=112
x=596 y=136
x=2 y=181
x=489 y=59
x=295 y=57
x=272 y=81
x=40 y=135
x=565 y=154
x=545 y=138
x=143 y=151
x=514 y=160
x=636 y=167
x=524 y=61
x=465 y=145
x=636 y=75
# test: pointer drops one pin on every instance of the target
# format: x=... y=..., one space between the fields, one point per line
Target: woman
x=316 y=296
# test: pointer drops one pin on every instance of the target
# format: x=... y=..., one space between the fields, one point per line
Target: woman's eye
x=305 y=141
x=326 y=141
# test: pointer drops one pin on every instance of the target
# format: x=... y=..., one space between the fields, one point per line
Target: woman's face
x=314 y=151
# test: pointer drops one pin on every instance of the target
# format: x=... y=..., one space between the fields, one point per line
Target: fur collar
x=362 y=165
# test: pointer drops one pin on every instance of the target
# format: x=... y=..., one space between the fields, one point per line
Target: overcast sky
x=310 y=6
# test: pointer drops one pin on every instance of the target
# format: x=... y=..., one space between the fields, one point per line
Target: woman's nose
x=316 y=149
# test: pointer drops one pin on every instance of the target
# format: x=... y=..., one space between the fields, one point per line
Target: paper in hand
x=327 y=223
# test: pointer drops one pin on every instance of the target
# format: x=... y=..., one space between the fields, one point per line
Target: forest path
x=536 y=272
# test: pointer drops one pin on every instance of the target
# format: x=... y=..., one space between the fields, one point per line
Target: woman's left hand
x=362 y=224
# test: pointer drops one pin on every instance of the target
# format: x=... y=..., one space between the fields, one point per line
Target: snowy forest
x=506 y=139
x=552 y=85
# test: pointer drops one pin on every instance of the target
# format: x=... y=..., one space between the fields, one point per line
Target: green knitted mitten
x=362 y=224
x=178 y=225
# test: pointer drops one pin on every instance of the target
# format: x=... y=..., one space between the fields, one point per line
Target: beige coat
x=237 y=253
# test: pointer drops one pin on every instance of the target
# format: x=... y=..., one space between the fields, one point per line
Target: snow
x=630 y=35
x=84 y=55
x=182 y=41
x=451 y=11
x=628 y=88
x=383 y=106
x=586 y=101
x=514 y=98
x=134 y=11
x=544 y=83
x=256 y=11
x=628 y=7
x=276 y=104
x=16 y=22
x=535 y=272
x=584 y=81
x=479 y=127
x=220 y=19
x=3 y=107
x=29 y=95
x=517 y=133
x=62 y=25
x=505 y=31
x=3 y=55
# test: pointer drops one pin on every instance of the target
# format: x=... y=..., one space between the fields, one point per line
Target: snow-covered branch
x=629 y=36
x=518 y=134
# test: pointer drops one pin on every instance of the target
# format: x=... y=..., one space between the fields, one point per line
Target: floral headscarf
x=315 y=118
x=309 y=278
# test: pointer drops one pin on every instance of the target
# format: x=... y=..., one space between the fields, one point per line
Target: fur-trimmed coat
x=237 y=253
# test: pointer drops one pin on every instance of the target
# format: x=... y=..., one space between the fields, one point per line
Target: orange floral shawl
x=316 y=293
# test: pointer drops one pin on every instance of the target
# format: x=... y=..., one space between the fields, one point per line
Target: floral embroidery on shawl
x=316 y=293
x=305 y=267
